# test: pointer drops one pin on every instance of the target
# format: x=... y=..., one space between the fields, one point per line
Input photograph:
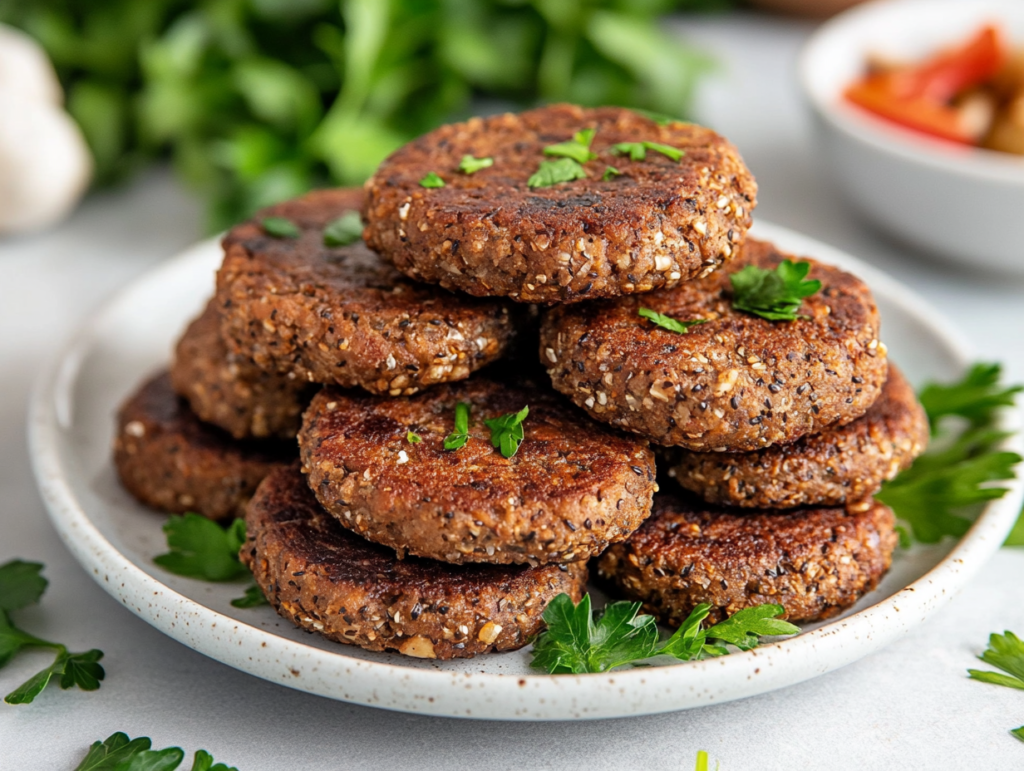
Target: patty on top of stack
x=436 y=511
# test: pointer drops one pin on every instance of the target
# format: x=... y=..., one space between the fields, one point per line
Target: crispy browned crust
x=571 y=489
x=171 y=461
x=736 y=383
x=815 y=562
x=489 y=234
x=340 y=315
x=325 y=579
x=231 y=392
x=841 y=465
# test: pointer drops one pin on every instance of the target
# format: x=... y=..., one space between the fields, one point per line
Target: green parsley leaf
x=1006 y=652
x=460 y=435
x=574 y=643
x=154 y=760
x=204 y=762
x=431 y=180
x=610 y=172
x=12 y=640
x=1018 y=733
x=1016 y=536
x=658 y=117
x=70 y=669
x=21 y=584
x=280 y=227
x=702 y=761
x=773 y=294
x=555 y=172
x=669 y=323
x=200 y=548
x=578 y=148
x=345 y=230
x=637 y=151
x=507 y=431
x=252 y=598
x=977 y=397
x=471 y=165
x=413 y=438
x=115 y=749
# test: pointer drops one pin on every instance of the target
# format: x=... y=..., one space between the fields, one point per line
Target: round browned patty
x=340 y=315
x=325 y=579
x=657 y=223
x=815 y=562
x=231 y=392
x=572 y=488
x=841 y=465
x=170 y=460
x=736 y=383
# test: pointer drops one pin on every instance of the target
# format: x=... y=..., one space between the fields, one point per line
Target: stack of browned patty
x=393 y=527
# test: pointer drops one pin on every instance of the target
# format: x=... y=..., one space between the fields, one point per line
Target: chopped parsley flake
x=471 y=165
x=669 y=323
x=460 y=435
x=775 y=295
x=431 y=180
x=578 y=148
x=345 y=230
x=610 y=172
x=413 y=438
x=280 y=227
x=507 y=431
x=554 y=172
x=637 y=151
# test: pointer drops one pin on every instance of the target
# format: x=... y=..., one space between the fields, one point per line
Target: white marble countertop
x=909 y=706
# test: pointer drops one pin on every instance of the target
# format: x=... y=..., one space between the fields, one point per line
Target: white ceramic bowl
x=962 y=204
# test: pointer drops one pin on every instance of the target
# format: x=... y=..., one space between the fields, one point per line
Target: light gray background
x=908 y=707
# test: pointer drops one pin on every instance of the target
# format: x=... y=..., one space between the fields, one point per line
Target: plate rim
x=511 y=697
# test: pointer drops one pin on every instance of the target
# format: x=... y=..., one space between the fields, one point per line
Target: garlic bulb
x=45 y=165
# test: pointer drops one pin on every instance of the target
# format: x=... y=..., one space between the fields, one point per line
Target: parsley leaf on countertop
x=667 y=322
x=952 y=478
x=431 y=179
x=577 y=148
x=460 y=435
x=507 y=431
x=21 y=585
x=574 y=643
x=200 y=548
x=280 y=227
x=252 y=598
x=1006 y=652
x=471 y=165
x=773 y=294
x=554 y=172
x=345 y=230
x=119 y=753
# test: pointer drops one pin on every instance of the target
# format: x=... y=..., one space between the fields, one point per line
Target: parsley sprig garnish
x=280 y=227
x=554 y=172
x=460 y=435
x=637 y=151
x=507 y=431
x=1006 y=652
x=610 y=172
x=345 y=230
x=775 y=295
x=953 y=478
x=667 y=322
x=119 y=753
x=200 y=548
x=578 y=148
x=574 y=643
x=471 y=165
x=21 y=585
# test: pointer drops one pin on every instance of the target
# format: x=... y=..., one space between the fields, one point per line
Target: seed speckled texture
x=815 y=562
x=171 y=461
x=489 y=234
x=340 y=315
x=572 y=488
x=325 y=579
x=231 y=392
x=736 y=383
x=841 y=465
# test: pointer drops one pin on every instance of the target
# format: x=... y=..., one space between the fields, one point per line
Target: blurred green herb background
x=256 y=101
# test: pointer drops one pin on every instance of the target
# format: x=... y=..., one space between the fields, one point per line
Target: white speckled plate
x=71 y=425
